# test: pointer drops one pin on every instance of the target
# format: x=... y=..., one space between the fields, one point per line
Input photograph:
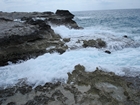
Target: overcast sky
x=72 y=5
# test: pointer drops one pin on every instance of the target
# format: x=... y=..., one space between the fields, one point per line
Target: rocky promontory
x=27 y=35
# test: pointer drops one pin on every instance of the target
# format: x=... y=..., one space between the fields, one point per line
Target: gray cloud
x=75 y=5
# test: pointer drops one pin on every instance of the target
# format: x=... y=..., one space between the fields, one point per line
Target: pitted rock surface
x=82 y=88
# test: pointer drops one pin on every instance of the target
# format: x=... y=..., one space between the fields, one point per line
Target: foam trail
x=49 y=66
x=110 y=26
x=115 y=41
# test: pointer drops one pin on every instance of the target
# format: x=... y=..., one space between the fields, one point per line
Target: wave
x=47 y=67
x=115 y=41
x=123 y=60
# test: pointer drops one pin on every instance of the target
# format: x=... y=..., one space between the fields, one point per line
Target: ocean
x=108 y=25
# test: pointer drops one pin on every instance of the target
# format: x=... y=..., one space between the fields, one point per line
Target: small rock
x=66 y=39
x=108 y=52
x=125 y=36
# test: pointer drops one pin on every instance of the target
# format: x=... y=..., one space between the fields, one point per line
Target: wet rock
x=125 y=36
x=47 y=87
x=108 y=52
x=94 y=43
x=21 y=41
x=2 y=100
x=66 y=39
x=109 y=88
x=26 y=35
x=64 y=17
x=11 y=103
x=4 y=19
x=25 y=89
x=82 y=88
x=7 y=92
x=38 y=100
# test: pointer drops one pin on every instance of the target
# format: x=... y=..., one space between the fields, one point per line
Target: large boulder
x=64 y=17
x=65 y=13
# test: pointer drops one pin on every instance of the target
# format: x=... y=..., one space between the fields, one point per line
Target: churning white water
x=123 y=60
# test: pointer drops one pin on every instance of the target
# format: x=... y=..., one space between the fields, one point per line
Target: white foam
x=49 y=66
x=115 y=41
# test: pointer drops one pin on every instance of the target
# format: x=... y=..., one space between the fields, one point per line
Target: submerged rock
x=98 y=43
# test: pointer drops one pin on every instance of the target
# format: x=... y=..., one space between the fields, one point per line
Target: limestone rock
x=82 y=88
x=98 y=43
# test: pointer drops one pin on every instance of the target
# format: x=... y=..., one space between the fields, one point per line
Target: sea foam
x=110 y=26
x=47 y=67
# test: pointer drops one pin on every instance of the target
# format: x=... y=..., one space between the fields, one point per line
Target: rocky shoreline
x=82 y=88
x=28 y=35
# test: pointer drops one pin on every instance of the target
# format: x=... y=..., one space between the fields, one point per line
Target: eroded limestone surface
x=82 y=88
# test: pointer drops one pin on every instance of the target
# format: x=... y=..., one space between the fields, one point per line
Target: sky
x=72 y=5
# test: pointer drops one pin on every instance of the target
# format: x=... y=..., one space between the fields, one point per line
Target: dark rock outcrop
x=64 y=17
x=61 y=17
x=66 y=39
x=21 y=41
x=32 y=36
x=108 y=52
x=65 y=14
x=125 y=36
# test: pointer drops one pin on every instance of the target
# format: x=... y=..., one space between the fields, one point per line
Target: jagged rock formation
x=32 y=35
x=82 y=88
x=64 y=17
x=20 y=41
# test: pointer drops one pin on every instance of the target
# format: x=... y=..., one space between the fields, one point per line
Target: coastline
x=82 y=88
x=29 y=35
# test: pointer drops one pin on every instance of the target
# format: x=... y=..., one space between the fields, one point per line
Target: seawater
x=108 y=25
x=125 y=21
